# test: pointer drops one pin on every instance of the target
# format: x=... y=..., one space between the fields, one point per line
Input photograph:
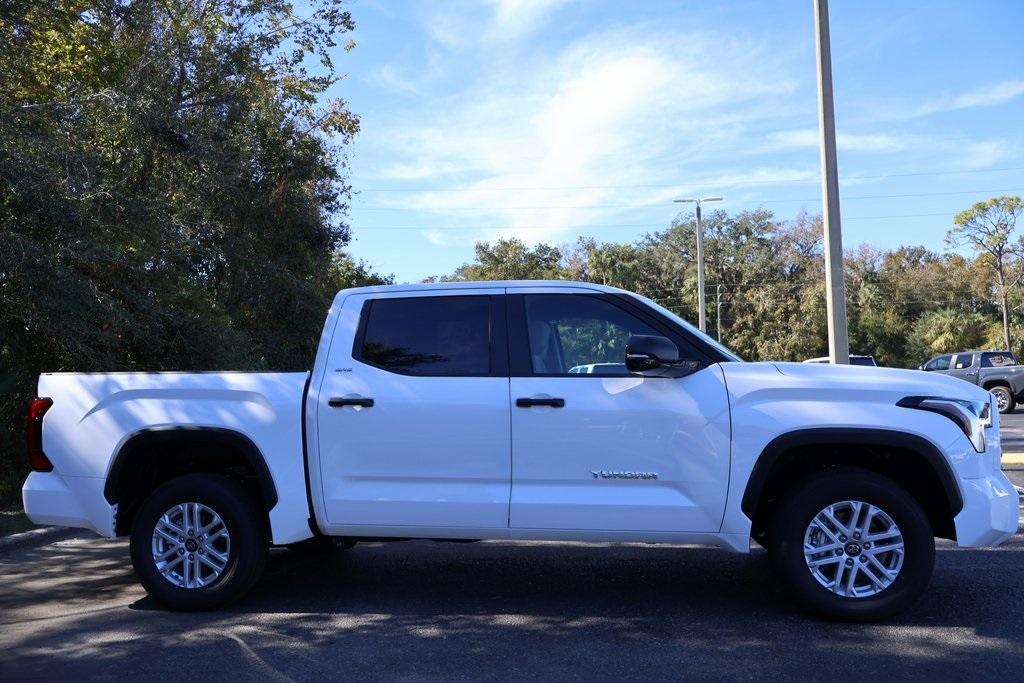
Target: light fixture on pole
x=702 y=311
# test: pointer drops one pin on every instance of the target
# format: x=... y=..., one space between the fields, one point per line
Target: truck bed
x=94 y=414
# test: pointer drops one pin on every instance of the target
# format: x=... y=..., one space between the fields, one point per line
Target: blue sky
x=551 y=119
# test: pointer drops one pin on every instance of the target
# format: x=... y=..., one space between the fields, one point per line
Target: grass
x=14 y=522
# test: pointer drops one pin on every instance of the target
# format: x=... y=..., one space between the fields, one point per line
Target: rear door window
x=940 y=363
x=440 y=336
x=963 y=361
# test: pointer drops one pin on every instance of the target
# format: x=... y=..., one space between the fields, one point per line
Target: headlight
x=972 y=417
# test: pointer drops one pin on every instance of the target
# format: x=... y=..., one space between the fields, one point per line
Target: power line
x=656 y=204
x=711 y=181
x=446 y=228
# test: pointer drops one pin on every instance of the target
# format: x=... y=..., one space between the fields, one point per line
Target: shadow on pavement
x=426 y=610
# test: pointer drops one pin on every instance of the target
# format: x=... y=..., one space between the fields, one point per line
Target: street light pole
x=835 y=289
x=702 y=310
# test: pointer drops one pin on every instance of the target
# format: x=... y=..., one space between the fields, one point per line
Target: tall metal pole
x=718 y=312
x=835 y=290
x=702 y=310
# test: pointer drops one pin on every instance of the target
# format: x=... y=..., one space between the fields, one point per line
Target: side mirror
x=654 y=356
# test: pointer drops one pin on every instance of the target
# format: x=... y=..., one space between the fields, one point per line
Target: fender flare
x=822 y=436
x=135 y=445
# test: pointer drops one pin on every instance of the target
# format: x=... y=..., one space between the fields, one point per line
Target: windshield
x=729 y=355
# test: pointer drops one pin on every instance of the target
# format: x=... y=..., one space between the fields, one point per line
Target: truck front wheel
x=198 y=542
x=853 y=545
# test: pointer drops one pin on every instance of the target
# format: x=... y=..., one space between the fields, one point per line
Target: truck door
x=413 y=412
x=594 y=448
x=964 y=367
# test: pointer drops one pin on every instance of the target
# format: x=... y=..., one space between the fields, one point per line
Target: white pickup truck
x=474 y=411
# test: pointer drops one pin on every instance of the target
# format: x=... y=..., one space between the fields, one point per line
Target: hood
x=833 y=381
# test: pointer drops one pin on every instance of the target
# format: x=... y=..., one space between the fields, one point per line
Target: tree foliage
x=172 y=189
x=765 y=280
x=988 y=228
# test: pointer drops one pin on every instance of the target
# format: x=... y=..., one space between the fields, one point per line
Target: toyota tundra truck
x=459 y=411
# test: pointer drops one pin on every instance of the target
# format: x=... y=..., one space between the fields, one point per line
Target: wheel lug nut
x=190 y=532
x=849 y=562
x=863 y=558
x=842 y=538
x=857 y=535
x=867 y=545
x=839 y=551
x=191 y=556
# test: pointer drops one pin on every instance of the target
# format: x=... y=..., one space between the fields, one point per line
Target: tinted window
x=578 y=334
x=963 y=360
x=997 y=360
x=940 y=363
x=863 y=360
x=443 y=335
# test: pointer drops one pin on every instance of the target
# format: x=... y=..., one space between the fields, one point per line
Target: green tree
x=172 y=189
x=948 y=330
x=988 y=228
x=511 y=259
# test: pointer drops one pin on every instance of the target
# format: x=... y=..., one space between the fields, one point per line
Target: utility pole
x=718 y=311
x=702 y=309
x=835 y=289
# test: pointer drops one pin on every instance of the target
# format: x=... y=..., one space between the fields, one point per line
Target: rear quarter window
x=997 y=360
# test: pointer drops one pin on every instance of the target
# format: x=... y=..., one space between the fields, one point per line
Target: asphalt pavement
x=1011 y=431
x=500 y=610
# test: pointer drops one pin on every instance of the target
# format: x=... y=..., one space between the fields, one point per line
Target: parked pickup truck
x=452 y=412
x=995 y=371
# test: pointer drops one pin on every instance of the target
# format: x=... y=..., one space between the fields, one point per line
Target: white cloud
x=634 y=107
x=988 y=95
x=985 y=96
x=808 y=138
x=389 y=78
x=516 y=18
x=985 y=153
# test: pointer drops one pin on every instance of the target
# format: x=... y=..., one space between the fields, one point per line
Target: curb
x=36 y=537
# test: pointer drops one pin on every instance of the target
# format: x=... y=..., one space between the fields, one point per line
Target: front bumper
x=991 y=511
x=52 y=499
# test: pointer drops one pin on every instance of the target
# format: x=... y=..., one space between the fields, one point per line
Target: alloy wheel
x=191 y=545
x=853 y=549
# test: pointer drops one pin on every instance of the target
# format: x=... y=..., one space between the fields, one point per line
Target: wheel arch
x=153 y=455
x=892 y=453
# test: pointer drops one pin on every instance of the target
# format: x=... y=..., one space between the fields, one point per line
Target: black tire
x=1004 y=394
x=809 y=497
x=320 y=545
x=245 y=523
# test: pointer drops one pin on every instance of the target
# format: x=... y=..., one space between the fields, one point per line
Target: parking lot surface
x=499 y=610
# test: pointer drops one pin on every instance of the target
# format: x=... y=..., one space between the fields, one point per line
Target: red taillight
x=34 y=435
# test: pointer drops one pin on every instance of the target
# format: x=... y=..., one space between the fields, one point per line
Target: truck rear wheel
x=1004 y=398
x=198 y=542
x=853 y=545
